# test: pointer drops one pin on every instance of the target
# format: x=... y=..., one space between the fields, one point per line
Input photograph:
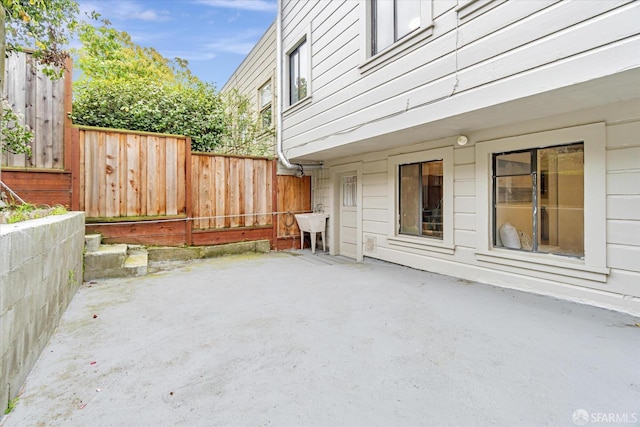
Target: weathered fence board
x=294 y=196
x=40 y=102
x=231 y=191
x=129 y=175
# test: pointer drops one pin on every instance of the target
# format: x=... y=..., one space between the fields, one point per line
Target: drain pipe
x=281 y=91
x=283 y=159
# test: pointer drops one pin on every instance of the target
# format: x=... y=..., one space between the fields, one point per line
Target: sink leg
x=301 y=239
x=313 y=242
x=324 y=242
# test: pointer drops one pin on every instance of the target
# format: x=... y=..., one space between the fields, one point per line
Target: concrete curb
x=185 y=253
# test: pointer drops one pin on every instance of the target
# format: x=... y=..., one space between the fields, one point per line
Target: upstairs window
x=264 y=99
x=299 y=72
x=539 y=200
x=393 y=20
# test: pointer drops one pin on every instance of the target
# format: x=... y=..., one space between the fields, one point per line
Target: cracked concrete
x=296 y=339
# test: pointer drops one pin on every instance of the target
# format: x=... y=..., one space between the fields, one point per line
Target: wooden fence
x=148 y=188
x=124 y=174
x=40 y=102
x=138 y=187
x=231 y=191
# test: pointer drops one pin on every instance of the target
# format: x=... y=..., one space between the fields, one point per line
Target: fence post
x=187 y=194
x=71 y=137
x=274 y=204
x=72 y=134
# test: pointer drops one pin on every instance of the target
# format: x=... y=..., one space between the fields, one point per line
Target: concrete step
x=92 y=242
x=136 y=264
x=115 y=261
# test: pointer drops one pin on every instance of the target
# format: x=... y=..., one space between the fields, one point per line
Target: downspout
x=280 y=104
x=283 y=159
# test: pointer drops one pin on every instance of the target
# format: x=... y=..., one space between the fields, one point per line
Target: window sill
x=547 y=263
x=422 y=244
x=400 y=48
x=297 y=106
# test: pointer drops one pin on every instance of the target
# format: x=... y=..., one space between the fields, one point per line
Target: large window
x=568 y=179
x=264 y=98
x=539 y=200
x=392 y=20
x=421 y=199
x=299 y=72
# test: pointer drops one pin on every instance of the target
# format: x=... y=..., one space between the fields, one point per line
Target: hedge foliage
x=193 y=110
x=125 y=86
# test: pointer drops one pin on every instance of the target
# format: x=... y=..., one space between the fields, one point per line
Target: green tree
x=245 y=132
x=126 y=86
x=109 y=54
x=43 y=25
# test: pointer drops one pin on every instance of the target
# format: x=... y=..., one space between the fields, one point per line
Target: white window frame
x=593 y=265
x=424 y=243
x=403 y=46
x=306 y=37
x=270 y=104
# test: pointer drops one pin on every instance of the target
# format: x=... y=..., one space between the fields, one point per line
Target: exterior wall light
x=462 y=140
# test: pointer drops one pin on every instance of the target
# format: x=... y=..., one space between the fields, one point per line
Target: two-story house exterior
x=490 y=140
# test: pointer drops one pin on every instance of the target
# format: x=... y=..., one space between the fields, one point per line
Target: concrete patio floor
x=294 y=339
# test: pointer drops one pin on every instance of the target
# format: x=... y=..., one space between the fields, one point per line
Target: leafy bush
x=244 y=132
x=15 y=137
x=46 y=25
x=193 y=110
x=126 y=86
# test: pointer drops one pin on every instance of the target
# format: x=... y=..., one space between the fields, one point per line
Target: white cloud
x=255 y=5
x=241 y=43
x=193 y=55
x=126 y=10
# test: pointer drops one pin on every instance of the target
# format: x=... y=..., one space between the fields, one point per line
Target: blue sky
x=213 y=35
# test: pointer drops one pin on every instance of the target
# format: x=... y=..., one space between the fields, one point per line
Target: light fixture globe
x=462 y=140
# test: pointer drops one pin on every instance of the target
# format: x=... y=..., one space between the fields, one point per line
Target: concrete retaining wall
x=40 y=271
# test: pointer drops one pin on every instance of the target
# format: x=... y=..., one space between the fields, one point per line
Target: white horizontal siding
x=623 y=232
x=477 y=45
x=464 y=221
x=465 y=204
x=623 y=159
x=257 y=68
x=376 y=178
x=464 y=172
x=377 y=215
x=623 y=257
x=545 y=35
x=623 y=207
x=623 y=223
x=440 y=7
x=466 y=238
x=377 y=202
x=507 y=41
x=464 y=156
x=623 y=135
x=623 y=192
x=623 y=183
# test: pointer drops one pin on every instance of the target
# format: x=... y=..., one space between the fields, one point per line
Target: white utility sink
x=312 y=223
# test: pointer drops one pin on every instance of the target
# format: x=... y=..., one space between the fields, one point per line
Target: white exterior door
x=348 y=221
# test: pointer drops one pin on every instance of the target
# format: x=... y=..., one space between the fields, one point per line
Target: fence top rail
x=34 y=169
x=235 y=156
x=134 y=132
